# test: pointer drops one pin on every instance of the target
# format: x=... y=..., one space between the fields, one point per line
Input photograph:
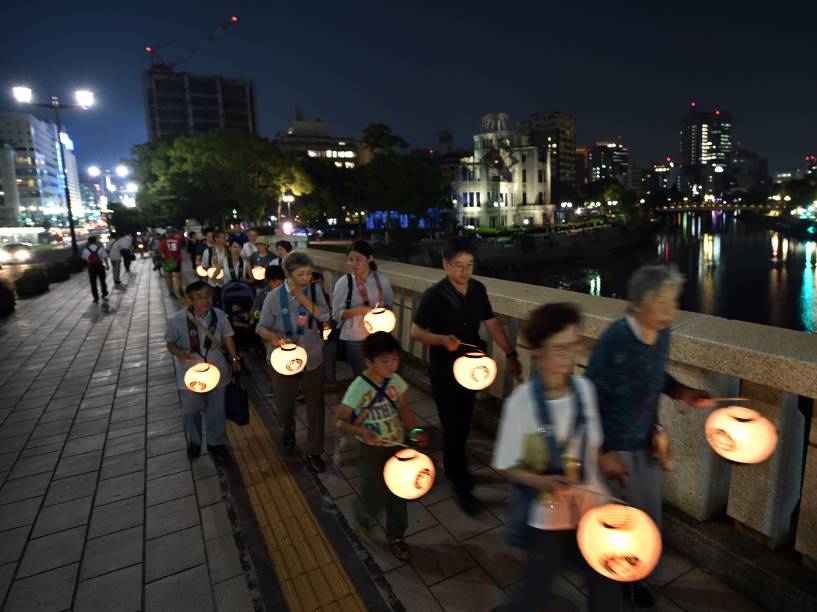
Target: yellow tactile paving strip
x=311 y=575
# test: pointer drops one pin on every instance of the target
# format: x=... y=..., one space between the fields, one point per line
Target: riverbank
x=805 y=229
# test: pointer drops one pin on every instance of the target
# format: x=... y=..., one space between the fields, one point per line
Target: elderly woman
x=628 y=366
x=296 y=311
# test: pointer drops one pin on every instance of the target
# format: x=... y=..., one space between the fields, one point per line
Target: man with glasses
x=449 y=316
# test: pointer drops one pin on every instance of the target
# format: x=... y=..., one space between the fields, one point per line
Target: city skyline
x=438 y=68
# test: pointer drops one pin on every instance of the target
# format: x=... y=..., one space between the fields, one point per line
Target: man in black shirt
x=449 y=315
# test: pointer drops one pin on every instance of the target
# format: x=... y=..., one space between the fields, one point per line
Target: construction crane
x=157 y=63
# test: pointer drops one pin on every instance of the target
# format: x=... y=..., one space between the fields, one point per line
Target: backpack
x=93 y=258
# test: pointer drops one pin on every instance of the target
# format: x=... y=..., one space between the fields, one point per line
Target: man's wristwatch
x=234 y=359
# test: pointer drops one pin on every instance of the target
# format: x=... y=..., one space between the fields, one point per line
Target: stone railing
x=776 y=368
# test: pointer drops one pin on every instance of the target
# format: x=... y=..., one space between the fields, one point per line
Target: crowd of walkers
x=565 y=440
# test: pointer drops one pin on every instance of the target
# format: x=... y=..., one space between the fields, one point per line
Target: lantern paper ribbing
x=211 y=272
x=741 y=434
x=378 y=320
x=409 y=473
x=288 y=359
x=201 y=271
x=619 y=542
x=475 y=371
x=259 y=273
x=202 y=377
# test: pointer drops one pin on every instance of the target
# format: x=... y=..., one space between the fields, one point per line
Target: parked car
x=15 y=252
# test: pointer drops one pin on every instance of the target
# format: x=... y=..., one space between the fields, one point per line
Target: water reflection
x=733 y=270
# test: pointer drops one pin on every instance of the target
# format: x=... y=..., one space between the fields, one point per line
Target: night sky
x=622 y=68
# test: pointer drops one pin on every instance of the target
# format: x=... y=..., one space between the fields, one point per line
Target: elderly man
x=628 y=366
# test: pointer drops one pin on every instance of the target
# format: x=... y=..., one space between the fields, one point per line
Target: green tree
x=209 y=175
x=380 y=139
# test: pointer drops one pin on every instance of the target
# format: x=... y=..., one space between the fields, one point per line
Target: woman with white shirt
x=235 y=267
x=549 y=439
x=354 y=296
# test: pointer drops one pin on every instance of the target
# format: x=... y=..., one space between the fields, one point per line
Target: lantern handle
x=719 y=400
x=600 y=494
x=472 y=346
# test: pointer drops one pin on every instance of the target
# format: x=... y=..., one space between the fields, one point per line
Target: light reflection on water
x=733 y=270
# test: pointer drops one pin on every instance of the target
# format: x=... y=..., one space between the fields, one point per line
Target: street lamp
x=85 y=99
x=122 y=171
x=289 y=199
x=94 y=171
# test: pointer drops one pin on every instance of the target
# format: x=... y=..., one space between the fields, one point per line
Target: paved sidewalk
x=100 y=508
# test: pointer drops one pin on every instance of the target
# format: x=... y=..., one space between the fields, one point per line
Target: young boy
x=376 y=412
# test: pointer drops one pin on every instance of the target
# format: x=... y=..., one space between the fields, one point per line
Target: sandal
x=400 y=549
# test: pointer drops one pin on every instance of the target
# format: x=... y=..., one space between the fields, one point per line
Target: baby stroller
x=236 y=301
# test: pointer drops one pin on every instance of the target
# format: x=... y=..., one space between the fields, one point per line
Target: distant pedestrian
x=206 y=244
x=171 y=248
x=282 y=249
x=96 y=257
x=115 y=255
x=192 y=247
x=195 y=334
x=127 y=251
x=249 y=247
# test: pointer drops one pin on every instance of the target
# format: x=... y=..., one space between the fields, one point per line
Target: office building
x=609 y=160
x=810 y=165
x=706 y=150
x=310 y=139
x=37 y=167
x=504 y=182
x=183 y=103
x=557 y=129
x=749 y=173
x=582 y=158
x=9 y=199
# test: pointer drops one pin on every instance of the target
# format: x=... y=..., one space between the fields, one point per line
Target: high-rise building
x=706 y=149
x=9 y=199
x=37 y=167
x=582 y=167
x=182 y=103
x=810 y=165
x=310 y=139
x=558 y=129
x=609 y=160
x=749 y=172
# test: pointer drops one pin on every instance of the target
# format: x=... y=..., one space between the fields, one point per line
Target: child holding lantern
x=376 y=412
x=548 y=440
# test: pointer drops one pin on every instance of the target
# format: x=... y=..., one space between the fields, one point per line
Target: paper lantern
x=379 y=319
x=619 y=542
x=741 y=434
x=259 y=273
x=288 y=359
x=211 y=272
x=327 y=331
x=475 y=370
x=202 y=377
x=409 y=473
x=201 y=271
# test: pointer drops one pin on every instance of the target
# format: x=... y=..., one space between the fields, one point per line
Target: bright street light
x=22 y=94
x=84 y=98
x=122 y=171
x=132 y=187
x=94 y=171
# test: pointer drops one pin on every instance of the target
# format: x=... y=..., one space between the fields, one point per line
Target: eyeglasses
x=563 y=350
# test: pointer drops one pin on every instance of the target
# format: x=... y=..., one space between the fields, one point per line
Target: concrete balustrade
x=775 y=367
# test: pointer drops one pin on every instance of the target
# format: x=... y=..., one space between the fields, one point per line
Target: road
x=9 y=272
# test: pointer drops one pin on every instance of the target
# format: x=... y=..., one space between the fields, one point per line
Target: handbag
x=237 y=402
x=170 y=265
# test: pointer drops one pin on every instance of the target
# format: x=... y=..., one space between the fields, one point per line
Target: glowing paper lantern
x=211 y=272
x=259 y=273
x=619 y=542
x=475 y=370
x=409 y=473
x=379 y=319
x=741 y=434
x=327 y=331
x=202 y=377
x=288 y=359
x=201 y=271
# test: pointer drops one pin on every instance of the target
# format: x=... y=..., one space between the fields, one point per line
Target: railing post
x=763 y=497
x=806 y=542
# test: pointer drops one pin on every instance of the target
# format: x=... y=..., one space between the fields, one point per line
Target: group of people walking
x=558 y=429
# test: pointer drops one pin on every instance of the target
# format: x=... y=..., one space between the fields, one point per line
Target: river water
x=733 y=269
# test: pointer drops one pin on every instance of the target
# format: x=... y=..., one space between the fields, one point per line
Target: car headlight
x=22 y=256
